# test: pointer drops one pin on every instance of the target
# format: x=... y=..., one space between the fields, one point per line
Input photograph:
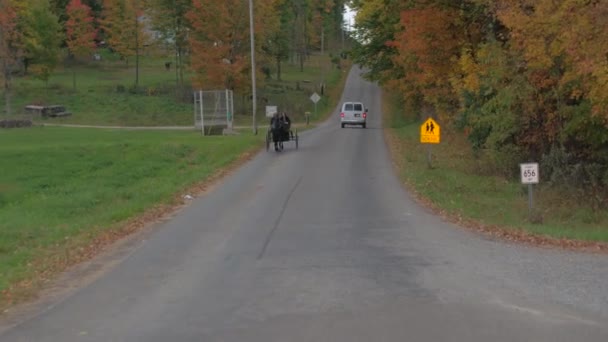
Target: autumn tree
x=219 y=41
x=300 y=27
x=326 y=23
x=523 y=79
x=59 y=8
x=124 y=30
x=376 y=25
x=169 y=18
x=427 y=49
x=80 y=31
x=276 y=44
x=10 y=47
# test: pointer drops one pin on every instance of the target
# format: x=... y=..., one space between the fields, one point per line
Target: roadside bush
x=15 y=123
x=587 y=178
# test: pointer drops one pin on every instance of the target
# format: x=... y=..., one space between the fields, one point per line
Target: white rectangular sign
x=529 y=173
x=270 y=111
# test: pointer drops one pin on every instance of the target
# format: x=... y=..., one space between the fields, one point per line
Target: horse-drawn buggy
x=280 y=132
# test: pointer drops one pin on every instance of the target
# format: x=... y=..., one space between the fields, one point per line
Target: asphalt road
x=323 y=244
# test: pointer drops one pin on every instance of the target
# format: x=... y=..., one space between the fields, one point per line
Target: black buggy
x=280 y=131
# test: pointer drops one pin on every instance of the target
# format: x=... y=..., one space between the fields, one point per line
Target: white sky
x=349 y=17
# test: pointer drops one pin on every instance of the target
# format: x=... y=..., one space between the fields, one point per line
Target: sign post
x=529 y=175
x=430 y=133
x=315 y=98
x=200 y=94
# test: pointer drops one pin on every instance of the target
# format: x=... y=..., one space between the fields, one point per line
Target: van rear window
x=348 y=106
x=358 y=107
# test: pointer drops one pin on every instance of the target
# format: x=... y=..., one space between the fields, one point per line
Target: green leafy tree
x=122 y=23
x=169 y=18
x=377 y=23
x=42 y=38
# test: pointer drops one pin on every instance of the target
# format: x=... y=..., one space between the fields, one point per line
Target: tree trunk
x=136 y=52
x=7 y=102
x=322 y=40
x=7 y=88
x=177 y=85
x=181 y=66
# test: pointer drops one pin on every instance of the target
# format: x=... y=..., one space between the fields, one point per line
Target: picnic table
x=52 y=111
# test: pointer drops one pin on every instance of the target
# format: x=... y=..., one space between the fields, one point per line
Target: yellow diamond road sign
x=430 y=132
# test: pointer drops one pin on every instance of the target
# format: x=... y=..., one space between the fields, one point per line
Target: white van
x=353 y=113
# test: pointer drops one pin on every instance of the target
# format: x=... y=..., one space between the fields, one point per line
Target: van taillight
x=342 y=115
x=364 y=115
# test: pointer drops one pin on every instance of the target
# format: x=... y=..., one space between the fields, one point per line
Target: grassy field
x=104 y=93
x=59 y=183
x=455 y=186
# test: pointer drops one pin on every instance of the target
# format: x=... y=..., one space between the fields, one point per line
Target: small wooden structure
x=53 y=111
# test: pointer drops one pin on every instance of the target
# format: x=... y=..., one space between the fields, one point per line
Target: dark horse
x=279 y=127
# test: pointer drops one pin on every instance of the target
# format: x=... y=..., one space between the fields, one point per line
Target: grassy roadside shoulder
x=456 y=189
x=64 y=192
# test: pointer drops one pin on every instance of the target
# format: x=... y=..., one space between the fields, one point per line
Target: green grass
x=103 y=96
x=103 y=93
x=58 y=183
x=457 y=184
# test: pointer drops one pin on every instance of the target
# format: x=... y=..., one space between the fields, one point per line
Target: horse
x=277 y=128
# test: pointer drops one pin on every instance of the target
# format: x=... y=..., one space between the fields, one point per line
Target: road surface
x=323 y=244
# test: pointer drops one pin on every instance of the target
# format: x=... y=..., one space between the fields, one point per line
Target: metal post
x=428 y=155
x=253 y=86
x=200 y=93
x=227 y=111
x=530 y=199
x=231 y=105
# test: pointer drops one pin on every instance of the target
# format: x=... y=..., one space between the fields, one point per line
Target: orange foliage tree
x=219 y=40
x=428 y=47
x=80 y=31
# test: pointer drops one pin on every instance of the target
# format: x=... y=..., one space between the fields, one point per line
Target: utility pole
x=136 y=45
x=253 y=90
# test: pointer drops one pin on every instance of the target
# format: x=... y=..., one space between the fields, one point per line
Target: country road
x=323 y=244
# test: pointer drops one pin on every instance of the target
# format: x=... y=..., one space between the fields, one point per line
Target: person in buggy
x=280 y=125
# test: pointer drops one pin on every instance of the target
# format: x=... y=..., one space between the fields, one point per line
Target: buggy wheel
x=296 y=138
x=268 y=141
